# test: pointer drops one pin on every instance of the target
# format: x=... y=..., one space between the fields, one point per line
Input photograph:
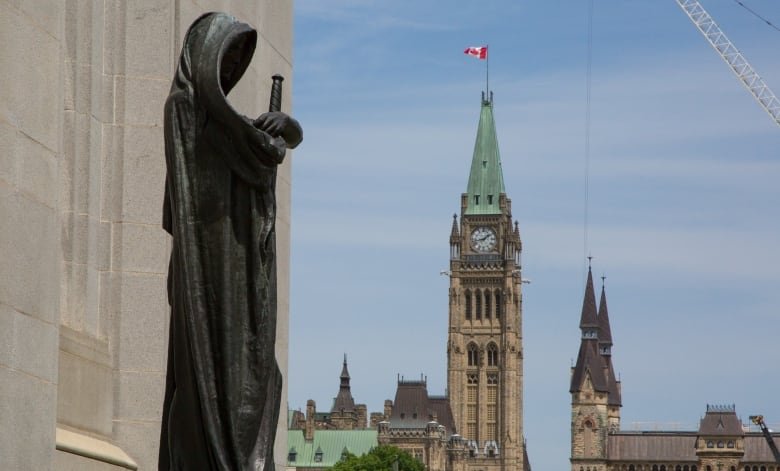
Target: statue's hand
x=279 y=124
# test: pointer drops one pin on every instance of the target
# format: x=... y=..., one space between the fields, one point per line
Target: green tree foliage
x=380 y=458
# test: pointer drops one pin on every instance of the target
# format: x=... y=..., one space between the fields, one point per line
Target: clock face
x=483 y=239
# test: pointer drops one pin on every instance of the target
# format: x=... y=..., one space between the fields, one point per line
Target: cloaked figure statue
x=223 y=386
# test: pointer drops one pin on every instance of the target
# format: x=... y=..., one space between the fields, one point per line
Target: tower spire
x=588 y=320
x=344 y=400
x=486 y=179
x=605 y=331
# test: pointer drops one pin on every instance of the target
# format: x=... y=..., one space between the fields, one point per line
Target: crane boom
x=759 y=420
x=749 y=78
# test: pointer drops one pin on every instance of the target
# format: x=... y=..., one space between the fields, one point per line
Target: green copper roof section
x=486 y=180
x=330 y=444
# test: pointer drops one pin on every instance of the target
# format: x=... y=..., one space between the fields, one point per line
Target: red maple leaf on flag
x=479 y=52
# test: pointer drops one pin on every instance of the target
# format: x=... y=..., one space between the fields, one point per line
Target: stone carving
x=223 y=385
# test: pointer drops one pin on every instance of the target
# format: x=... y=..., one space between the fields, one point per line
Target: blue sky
x=684 y=190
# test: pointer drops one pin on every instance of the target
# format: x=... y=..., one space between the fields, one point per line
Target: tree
x=380 y=458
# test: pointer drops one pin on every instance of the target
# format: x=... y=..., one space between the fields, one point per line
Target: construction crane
x=759 y=420
x=749 y=78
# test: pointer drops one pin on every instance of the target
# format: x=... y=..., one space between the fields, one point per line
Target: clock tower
x=485 y=343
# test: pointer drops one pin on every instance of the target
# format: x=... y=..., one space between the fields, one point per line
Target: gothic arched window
x=478 y=300
x=498 y=304
x=487 y=304
x=492 y=355
x=473 y=354
x=468 y=305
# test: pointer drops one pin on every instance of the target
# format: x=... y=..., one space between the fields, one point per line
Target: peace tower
x=485 y=342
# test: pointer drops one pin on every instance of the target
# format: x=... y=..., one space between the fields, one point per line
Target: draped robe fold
x=223 y=386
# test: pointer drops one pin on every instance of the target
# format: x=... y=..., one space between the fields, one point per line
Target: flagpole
x=487 y=71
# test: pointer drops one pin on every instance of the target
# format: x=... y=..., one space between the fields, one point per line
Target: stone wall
x=83 y=309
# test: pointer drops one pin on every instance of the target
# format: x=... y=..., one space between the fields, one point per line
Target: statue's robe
x=223 y=387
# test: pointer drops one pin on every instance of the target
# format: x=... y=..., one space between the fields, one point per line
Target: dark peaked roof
x=605 y=331
x=588 y=318
x=589 y=362
x=344 y=371
x=413 y=408
x=720 y=420
x=612 y=385
x=605 y=339
x=454 y=233
x=344 y=400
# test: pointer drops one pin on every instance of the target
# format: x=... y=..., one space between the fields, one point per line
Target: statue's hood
x=216 y=52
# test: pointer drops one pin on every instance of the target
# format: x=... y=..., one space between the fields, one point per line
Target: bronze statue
x=223 y=385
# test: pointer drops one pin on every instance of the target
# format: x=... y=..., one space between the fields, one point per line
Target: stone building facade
x=722 y=442
x=83 y=305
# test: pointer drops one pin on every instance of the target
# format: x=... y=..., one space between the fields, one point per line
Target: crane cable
x=586 y=255
x=754 y=13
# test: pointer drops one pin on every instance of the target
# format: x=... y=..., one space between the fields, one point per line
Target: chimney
x=362 y=416
x=388 y=408
x=376 y=417
x=311 y=409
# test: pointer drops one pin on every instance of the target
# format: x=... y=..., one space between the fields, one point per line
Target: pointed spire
x=486 y=180
x=344 y=400
x=455 y=233
x=605 y=348
x=588 y=319
x=345 y=372
x=605 y=331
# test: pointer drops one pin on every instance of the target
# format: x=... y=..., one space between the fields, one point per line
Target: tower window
x=490 y=199
x=476 y=199
x=468 y=305
x=473 y=355
x=498 y=304
x=492 y=355
x=487 y=304
x=478 y=296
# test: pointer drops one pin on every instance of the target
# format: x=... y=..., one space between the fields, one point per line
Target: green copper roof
x=330 y=443
x=486 y=180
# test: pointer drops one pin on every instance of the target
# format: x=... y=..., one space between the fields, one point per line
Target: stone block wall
x=83 y=308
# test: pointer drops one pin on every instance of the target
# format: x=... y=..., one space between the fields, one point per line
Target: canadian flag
x=480 y=52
